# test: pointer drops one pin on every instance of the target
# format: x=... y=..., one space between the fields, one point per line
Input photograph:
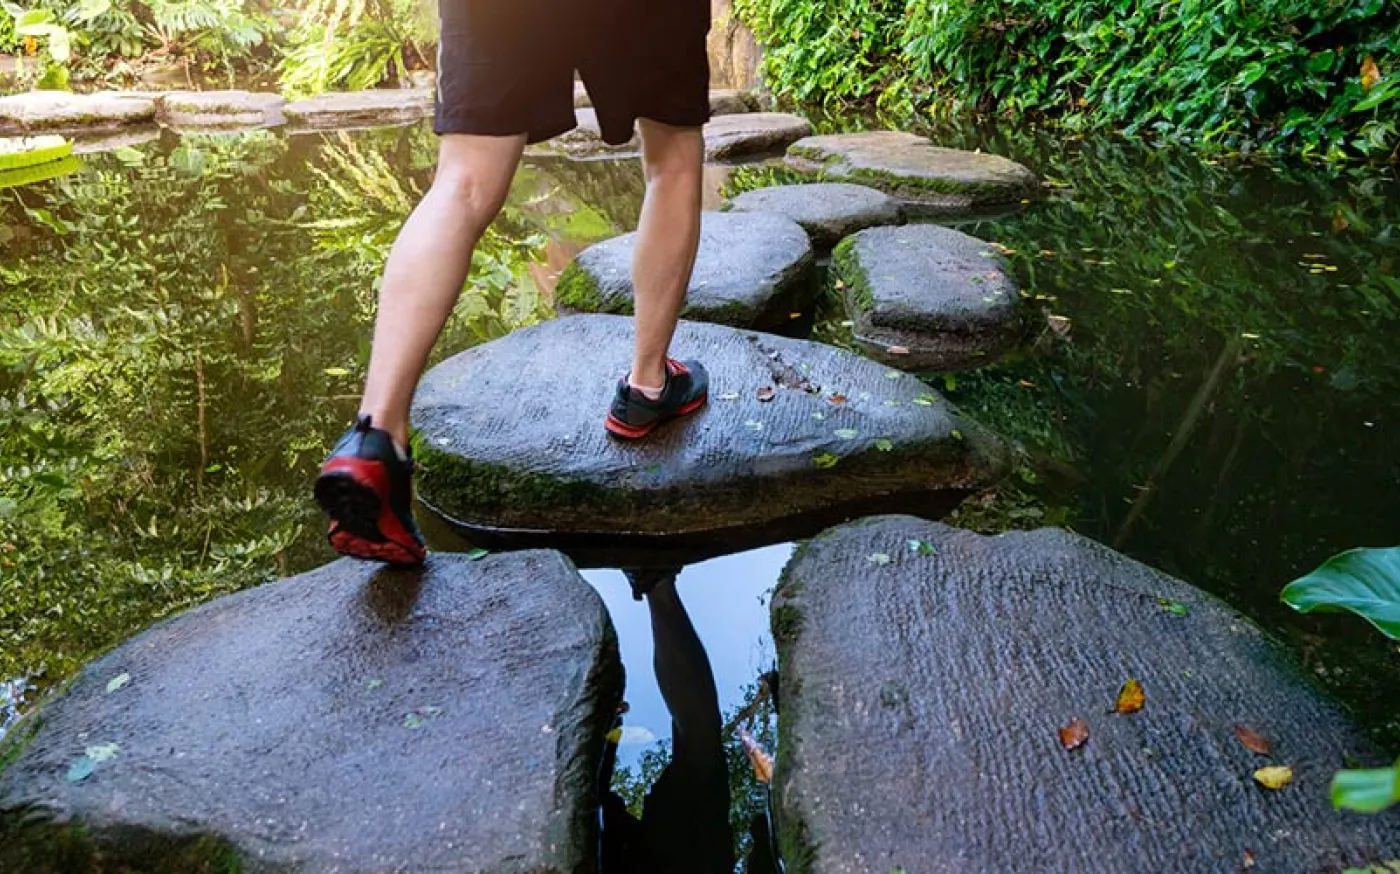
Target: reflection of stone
x=351 y=719
x=922 y=697
x=753 y=133
x=220 y=109
x=110 y=142
x=826 y=211
x=945 y=298
x=379 y=106
x=914 y=169
x=60 y=110
x=752 y=270
x=839 y=430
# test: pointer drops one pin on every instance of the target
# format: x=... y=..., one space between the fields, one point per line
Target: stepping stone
x=220 y=109
x=361 y=108
x=729 y=101
x=922 y=698
x=586 y=140
x=838 y=432
x=753 y=270
x=827 y=211
x=352 y=719
x=63 y=111
x=912 y=168
x=752 y=133
x=926 y=297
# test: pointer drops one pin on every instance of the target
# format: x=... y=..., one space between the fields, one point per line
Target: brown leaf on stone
x=1074 y=735
x=766 y=393
x=898 y=350
x=1131 y=697
x=837 y=398
x=1248 y=860
x=1253 y=741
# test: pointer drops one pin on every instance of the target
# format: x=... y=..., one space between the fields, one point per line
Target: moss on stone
x=578 y=290
x=460 y=487
x=854 y=290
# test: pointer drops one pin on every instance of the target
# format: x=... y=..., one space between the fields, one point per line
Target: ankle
x=398 y=431
x=648 y=376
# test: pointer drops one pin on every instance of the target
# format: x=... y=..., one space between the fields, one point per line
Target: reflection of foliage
x=747 y=797
x=181 y=335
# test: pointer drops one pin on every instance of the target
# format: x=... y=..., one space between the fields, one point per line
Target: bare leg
x=428 y=266
x=683 y=673
x=667 y=237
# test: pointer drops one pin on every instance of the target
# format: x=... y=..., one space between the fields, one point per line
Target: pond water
x=184 y=326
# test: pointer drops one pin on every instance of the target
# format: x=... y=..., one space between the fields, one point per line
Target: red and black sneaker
x=635 y=415
x=367 y=490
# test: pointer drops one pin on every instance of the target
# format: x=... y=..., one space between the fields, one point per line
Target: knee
x=462 y=186
x=680 y=160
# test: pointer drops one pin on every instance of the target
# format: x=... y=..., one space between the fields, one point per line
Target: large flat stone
x=586 y=139
x=220 y=109
x=728 y=137
x=64 y=111
x=357 y=108
x=912 y=168
x=939 y=298
x=351 y=719
x=827 y=211
x=752 y=271
x=922 y=697
x=513 y=440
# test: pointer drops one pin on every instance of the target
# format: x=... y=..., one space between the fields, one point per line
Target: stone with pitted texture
x=63 y=111
x=926 y=297
x=926 y=672
x=912 y=168
x=352 y=719
x=753 y=270
x=827 y=211
x=361 y=108
x=728 y=137
x=793 y=430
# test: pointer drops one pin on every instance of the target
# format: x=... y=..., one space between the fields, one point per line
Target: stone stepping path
x=723 y=101
x=55 y=111
x=361 y=108
x=351 y=719
x=926 y=297
x=753 y=270
x=910 y=167
x=728 y=137
x=827 y=211
x=926 y=672
x=220 y=109
x=513 y=443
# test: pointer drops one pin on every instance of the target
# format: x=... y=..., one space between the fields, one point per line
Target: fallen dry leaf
x=1252 y=740
x=1248 y=860
x=1370 y=73
x=762 y=763
x=837 y=398
x=1074 y=735
x=1274 y=776
x=1131 y=697
x=898 y=350
x=766 y=393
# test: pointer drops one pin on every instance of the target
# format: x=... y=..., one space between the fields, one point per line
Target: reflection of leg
x=428 y=265
x=683 y=671
x=667 y=237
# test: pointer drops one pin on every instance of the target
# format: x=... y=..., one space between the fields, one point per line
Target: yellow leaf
x=1274 y=776
x=1131 y=697
x=762 y=763
x=1370 y=73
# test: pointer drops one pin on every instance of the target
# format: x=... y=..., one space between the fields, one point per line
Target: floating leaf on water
x=728 y=396
x=754 y=425
x=1074 y=735
x=1131 y=697
x=477 y=554
x=884 y=445
x=837 y=398
x=100 y=753
x=766 y=393
x=118 y=681
x=81 y=769
x=898 y=350
x=846 y=433
x=1253 y=741
x=1274 y=776
x=825 y=460
x=879 y=558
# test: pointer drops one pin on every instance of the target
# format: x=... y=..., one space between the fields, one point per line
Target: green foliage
x=1363 y=581
x=1225 y=74
x=1366 y=790
x=356 y=44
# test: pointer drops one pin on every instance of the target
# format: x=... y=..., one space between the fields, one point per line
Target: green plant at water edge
x=357 y=44
x=1322 y=79
x=42 y=24
x=1365 y=582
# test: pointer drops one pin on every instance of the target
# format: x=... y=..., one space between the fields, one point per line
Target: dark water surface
x=184 y=327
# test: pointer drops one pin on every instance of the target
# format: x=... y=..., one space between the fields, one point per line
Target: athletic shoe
x=367 y=490
x=634 y=415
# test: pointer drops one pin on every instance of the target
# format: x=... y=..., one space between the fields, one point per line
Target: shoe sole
x=621 y=429
x=363 y=525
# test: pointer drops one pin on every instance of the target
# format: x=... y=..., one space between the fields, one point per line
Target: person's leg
x=667 y=238
x=428 y=266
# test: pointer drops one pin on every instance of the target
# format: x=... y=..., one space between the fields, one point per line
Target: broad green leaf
x=31 y=17
x=89 y=9
x=1367 y=790
x=1363 y=581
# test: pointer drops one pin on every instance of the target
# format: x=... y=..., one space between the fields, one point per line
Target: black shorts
x=507 y=66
